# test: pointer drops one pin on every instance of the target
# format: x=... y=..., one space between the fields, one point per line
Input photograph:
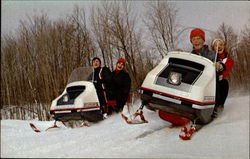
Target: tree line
x=37 y=61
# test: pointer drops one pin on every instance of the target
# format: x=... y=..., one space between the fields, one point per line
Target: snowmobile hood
x=79 y=94
x=197 y=75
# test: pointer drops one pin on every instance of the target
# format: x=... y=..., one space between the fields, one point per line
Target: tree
x=237 y=48
x=161 y=23
x=115 y=30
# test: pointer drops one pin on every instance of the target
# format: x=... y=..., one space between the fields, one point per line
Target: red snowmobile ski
x=137 y=117
x=35 y=129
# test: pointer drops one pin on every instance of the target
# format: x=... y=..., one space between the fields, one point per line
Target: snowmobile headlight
x=65 y=98
x=174 y=78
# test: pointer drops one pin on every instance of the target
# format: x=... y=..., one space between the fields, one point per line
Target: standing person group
x=111 y=85
x=223 y=64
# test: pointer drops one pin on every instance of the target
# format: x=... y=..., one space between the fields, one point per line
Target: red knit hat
x=197 y=32
x=121 y=60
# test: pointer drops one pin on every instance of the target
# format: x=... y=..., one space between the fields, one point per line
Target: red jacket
x=229 y=63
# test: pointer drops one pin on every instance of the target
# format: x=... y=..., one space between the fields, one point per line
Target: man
x=121 y=84
x=101 y=77
x=197 y=38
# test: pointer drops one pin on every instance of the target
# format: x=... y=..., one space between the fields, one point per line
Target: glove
x=218 y=66
x=220 y=77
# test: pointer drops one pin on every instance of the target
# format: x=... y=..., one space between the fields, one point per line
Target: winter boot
x=105 y=116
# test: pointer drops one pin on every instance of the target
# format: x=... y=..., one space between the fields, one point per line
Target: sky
x=208 y=15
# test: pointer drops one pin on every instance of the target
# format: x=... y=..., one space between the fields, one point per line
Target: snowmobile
x=78 y=104
x=182 y=88
x=79 y=100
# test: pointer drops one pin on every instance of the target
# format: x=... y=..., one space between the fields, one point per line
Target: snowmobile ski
x=133 y=118
x=34 y=128
x=188 y=130
x=66 y=124
x=187 y=133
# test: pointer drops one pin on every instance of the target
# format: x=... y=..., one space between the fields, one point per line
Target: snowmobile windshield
x=81 y=74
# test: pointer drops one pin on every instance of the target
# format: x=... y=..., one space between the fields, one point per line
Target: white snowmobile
x=78 y=104
x=182 y=87
x=79 y=99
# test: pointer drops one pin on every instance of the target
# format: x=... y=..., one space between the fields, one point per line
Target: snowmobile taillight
x=174 y=78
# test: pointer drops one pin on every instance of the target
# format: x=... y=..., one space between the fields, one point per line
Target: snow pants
x=222 y=88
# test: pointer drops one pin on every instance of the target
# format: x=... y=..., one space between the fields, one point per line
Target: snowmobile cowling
x=183 y=84
x=79 y=100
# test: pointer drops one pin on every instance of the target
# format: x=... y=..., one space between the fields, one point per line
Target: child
x=218 y=46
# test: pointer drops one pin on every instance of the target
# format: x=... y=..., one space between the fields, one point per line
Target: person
x=197 y=38
x=218 y=46
x=101 y=77
x=121 y=85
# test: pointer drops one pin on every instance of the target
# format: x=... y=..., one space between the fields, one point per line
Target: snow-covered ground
x=226 y=137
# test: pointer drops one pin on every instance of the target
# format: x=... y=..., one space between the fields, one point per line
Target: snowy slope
x=226 y=137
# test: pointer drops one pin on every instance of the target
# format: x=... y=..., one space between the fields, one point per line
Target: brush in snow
x=182 y=87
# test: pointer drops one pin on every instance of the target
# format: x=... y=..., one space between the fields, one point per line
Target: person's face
x=120 y=66
x=219 y=47
x=197 y=42
x=96 y=63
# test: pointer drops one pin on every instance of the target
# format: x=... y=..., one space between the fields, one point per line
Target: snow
x=226 y=137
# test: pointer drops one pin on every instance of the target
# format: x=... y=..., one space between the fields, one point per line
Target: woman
x=218 y=46
x=121 y=84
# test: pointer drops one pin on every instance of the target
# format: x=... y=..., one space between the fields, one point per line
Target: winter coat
x=121 y=84
x=205 y=52
x=102 y=78
x=229 y=63
x=222 y=84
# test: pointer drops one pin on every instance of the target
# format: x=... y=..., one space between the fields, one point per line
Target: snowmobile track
x=150 y=132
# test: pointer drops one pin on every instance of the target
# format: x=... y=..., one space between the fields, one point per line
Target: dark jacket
x=205 y=52
x=102 y=78
x=121 y=86
x=209 y=54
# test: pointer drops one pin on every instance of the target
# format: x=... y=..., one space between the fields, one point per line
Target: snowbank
x=226 y=137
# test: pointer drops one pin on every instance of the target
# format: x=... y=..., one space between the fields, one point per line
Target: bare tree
x=36 y=63
x=227 y=33
x=114 y=25
x=161 y=22
x=241 y=71
x=100 y=20
x=237 y=48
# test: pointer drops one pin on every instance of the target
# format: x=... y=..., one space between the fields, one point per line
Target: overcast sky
x=204 y=14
